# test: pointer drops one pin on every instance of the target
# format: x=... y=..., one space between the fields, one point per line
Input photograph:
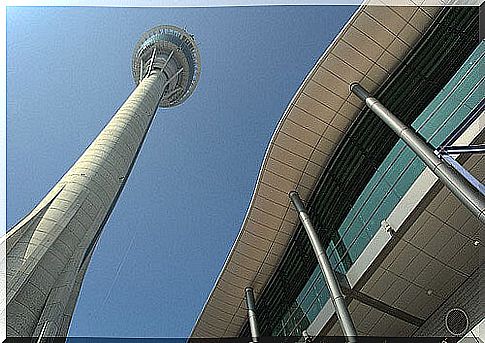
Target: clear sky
x=69 y=70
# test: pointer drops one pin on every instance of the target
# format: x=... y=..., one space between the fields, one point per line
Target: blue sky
x=68 y=71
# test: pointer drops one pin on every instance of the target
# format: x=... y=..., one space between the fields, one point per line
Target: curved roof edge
x=368 y=49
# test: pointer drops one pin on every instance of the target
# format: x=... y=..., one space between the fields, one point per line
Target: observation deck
x=173 y=51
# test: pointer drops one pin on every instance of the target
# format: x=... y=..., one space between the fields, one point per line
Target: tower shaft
x=48 y=251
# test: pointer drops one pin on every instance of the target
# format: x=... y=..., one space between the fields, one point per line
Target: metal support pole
x=336 y=294
x=253 y=324
x=456 y=183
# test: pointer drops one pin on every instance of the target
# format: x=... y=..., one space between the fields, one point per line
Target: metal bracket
x=388 y=228
x=307 y=338
x=445 y=153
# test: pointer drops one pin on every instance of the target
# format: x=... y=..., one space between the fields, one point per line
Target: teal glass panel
x=352 y=232
x=314 y=310
x=308 y=287
x=371 y=186
x=373 y=224
x=359 y=245
x=319 y=282
x=323 y=296
x=431 y=126
x=307 y=302
x=420 y=120
x=476 y=95
x=388 y=205
x=341 y=268
x=347 y=221
x=373 y=202
x=448 y=126
x=415 y=168
x=399 y=167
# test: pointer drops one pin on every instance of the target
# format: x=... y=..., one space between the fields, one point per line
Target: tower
x=49 y=250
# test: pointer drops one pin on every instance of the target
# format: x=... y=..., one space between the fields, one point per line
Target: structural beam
x=333 y=285
x=469 y=149
x=383 y=307
x=456 y=183
x=463 y=171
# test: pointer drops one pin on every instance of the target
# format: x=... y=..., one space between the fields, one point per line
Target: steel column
x=336 y=294
x=253 y=324
x=456 y=183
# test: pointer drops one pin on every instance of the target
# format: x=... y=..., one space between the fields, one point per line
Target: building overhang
x=369 y=48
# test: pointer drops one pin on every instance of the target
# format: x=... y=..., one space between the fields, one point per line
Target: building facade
x=48 y=252
x=406 y=251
